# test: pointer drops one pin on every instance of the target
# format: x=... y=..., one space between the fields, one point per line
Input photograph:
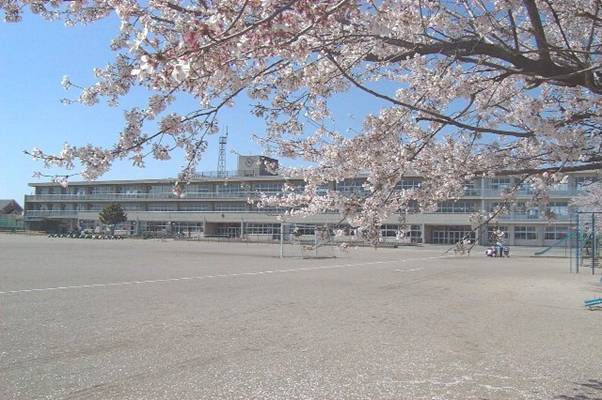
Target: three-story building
x=217 y=205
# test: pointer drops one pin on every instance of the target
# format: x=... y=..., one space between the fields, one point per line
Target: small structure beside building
x=11 y=215
x=10 y=206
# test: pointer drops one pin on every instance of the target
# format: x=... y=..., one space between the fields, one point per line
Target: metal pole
x=570 y=244
x=593 y=241
x=316 y=242
x=578 y=240
x=281 y=240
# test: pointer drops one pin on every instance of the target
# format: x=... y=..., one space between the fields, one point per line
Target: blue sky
x=34 y=56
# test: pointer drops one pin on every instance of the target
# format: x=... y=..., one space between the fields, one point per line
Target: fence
x=11 y=223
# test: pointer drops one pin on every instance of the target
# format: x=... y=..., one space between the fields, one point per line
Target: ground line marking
x=203 y=277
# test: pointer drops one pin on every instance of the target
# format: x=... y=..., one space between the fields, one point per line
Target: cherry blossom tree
x=472 y=88
x=591 y=198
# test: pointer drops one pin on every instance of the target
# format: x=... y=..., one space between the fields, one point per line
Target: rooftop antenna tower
x=221 y=161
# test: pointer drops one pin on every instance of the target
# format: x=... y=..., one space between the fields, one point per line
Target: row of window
x=552 y=232
x=456 y=207
x=152 y=206
x=413 y=232
x=557 y=208
x=262 y=229
x=440 y=234
x=577 y=183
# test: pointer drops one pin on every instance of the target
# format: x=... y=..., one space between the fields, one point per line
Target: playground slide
x=558 y=243
x=592 y=304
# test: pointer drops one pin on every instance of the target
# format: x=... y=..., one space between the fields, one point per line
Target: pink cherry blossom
x=477 y=88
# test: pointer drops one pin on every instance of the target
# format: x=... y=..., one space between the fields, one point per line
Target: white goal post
x=306 y=241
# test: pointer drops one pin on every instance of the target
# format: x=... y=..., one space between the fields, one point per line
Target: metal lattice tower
x=221 y=161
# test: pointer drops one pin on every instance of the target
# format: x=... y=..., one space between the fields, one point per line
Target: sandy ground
x=134 y=319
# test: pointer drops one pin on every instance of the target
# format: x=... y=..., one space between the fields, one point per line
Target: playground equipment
x=564 y=243
x=588 y=241
x=593 y=303
x=323 y=246
x=583 y=243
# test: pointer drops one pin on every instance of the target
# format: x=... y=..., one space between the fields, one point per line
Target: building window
x=196 y=188
x=389 y=230
x=228 y=188
x=350 y=186
x=497 y=206
x=262 y=229
x=452 y=234
x=156 y=226
x=161 y=189
x=297 y=187
x=299 y=230
x=472 y=189
x=561 y=187
x=525 y=233
x=268 y=187
x=555 y=232
x=526 y=188
x=101 y=189
x=132 y=189
x=499 y=184
x=322 y=190
x=408 y=184
x=410 y=231
x=582 y=182
x=559 y=208
x=522 y=210
x=459 y=207
x=188 y=228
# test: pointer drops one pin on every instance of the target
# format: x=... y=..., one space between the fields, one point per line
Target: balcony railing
x=514 y=216
x=240 y=194
x=76 y=213
x=51 y=213
x=144 y=196
x=231 y=174
x=488 y=192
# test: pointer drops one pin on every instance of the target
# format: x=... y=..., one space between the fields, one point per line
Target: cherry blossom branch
x=435 y=116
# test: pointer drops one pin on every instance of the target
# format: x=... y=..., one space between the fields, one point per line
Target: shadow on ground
x=590 y=390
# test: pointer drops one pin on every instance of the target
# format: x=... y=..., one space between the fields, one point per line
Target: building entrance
x=452 y=234
x=228 y=230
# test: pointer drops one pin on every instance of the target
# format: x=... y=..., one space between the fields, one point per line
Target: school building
x=220 y=205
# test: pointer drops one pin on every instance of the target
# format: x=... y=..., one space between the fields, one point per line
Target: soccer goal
x=307 y=241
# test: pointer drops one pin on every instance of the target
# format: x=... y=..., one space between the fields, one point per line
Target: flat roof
x=168 y=180
x=212 y=179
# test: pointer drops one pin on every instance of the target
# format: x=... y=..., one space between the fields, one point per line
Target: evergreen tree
x=112 y=215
